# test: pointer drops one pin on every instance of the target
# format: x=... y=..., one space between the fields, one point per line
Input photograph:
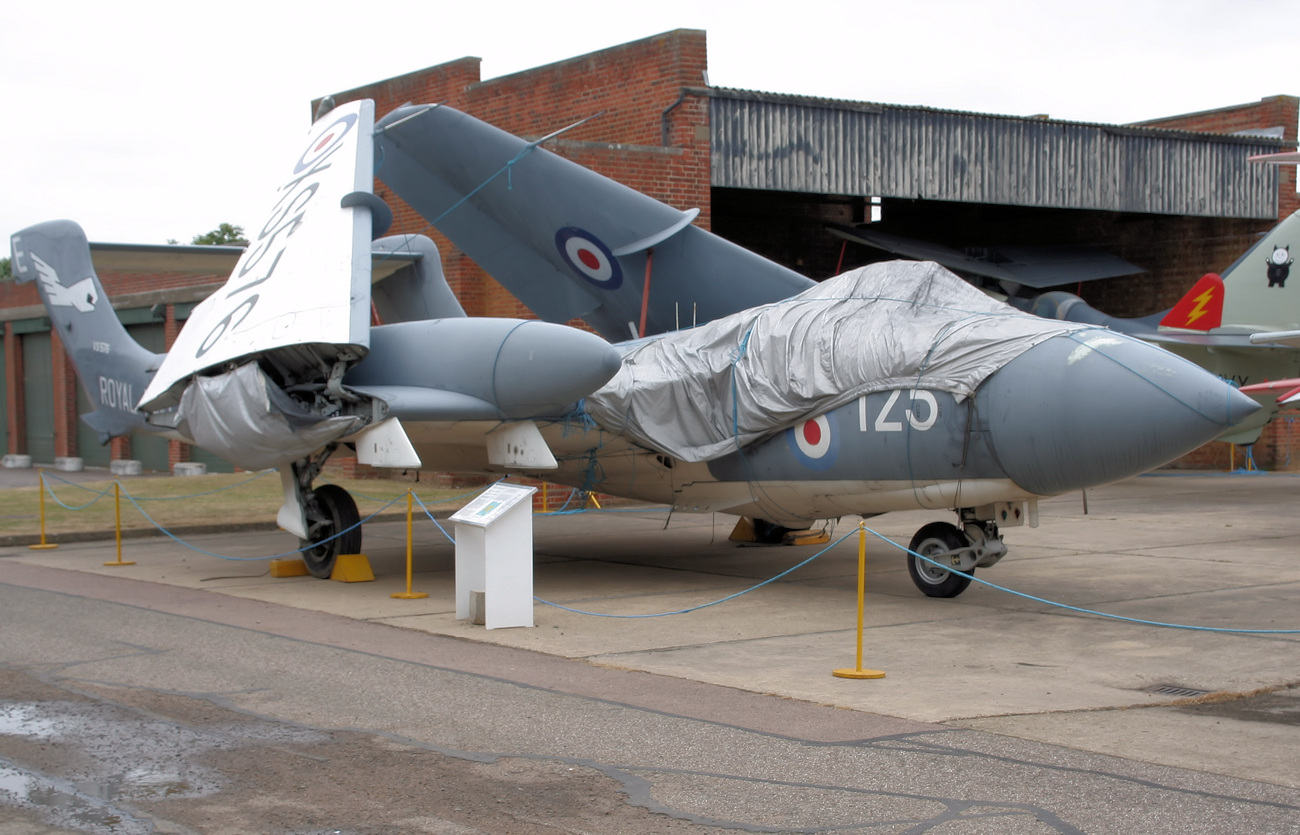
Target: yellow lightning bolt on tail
x=1201 y=301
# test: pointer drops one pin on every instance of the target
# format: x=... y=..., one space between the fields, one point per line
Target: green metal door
x=38 y=396
x=216 y=464
x=150 y=450
x=91 y=452
x=4 y=404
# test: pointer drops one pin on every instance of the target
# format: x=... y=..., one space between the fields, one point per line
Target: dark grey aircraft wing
x=1039 y=267
x=568 y=242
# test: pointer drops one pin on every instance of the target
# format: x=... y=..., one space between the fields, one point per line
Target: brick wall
x=639 y=88
x=1279 y=447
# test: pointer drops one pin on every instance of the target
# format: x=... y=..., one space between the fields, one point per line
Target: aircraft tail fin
x=1262 y=293
x=1200 y=309
x=113 y=368
x=418 y=291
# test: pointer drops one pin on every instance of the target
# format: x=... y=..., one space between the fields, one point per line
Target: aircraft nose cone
x=1096 y=406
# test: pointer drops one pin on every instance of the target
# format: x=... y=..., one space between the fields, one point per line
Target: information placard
x=492 y=503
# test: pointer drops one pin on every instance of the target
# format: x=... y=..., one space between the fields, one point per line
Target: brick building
x=768 y=172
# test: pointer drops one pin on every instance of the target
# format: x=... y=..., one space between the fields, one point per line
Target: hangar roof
x=826 y=146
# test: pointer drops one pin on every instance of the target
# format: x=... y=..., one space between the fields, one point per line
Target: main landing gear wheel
x=936 y=540
x=329 y=510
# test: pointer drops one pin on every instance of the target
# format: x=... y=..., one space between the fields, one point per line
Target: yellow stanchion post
x=117 y=510
x=408 y=594
x=42 y=545
x=858 y=672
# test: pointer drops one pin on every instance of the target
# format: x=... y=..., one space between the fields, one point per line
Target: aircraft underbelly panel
x=793 y=502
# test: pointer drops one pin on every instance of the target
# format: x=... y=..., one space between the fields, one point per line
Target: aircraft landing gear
x=945 y=544
x=329 y=510
x=976 y=544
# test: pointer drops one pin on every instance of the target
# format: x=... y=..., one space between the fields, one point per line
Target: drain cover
x=1176 y=691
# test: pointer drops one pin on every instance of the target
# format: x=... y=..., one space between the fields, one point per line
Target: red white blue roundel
x=589 y=257
x=814 y=444
x=325 y=141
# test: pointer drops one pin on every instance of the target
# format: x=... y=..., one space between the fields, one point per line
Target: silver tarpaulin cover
x=700 y=394
x=247 y=420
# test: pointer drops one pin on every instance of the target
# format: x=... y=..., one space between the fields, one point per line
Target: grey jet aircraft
x=1243 y=325
x=897 y=387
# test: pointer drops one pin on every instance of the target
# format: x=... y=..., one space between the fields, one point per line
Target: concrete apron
x=1209 y=551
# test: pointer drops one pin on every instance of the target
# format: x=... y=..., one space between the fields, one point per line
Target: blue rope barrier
x=262 y=474
x=100 y=494
x=1055 y=604
x=294 y=552
x=443 y=530
x=1081 y=610
x=705 y=605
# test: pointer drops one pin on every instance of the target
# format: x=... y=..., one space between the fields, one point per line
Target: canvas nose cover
x=1095 y=406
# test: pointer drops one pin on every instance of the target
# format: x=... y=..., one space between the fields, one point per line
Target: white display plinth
x=494 y=555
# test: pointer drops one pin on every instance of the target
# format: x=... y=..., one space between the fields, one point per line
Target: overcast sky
x=147 y=121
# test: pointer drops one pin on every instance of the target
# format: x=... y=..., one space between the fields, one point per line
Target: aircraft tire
x=330 y=510
x=937 y=538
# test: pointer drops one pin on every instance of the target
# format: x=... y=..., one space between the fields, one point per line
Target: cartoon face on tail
x=1279 y=266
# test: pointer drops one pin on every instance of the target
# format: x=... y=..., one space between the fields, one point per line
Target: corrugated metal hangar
x=790 y=177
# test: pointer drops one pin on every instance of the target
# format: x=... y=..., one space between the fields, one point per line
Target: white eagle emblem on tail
x=81 y=295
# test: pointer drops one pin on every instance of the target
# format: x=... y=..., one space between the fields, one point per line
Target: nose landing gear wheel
x=329 y=510
x=936 y=540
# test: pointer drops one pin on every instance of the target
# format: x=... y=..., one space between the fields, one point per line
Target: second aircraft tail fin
x=1200 y=309
x=113 y=368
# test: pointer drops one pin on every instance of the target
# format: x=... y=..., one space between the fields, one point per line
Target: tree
x=5 y=274
x=225 y=234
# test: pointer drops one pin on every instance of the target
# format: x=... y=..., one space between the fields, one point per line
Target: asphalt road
x=178 y=699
